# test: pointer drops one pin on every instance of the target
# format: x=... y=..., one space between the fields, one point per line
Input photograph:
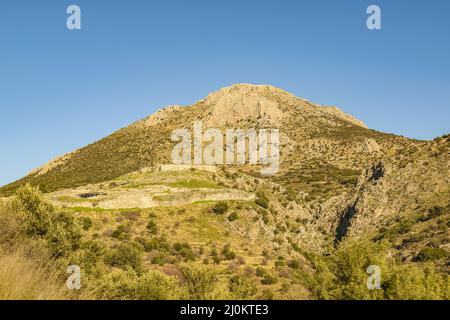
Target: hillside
x=310 y=135
x=345 y=197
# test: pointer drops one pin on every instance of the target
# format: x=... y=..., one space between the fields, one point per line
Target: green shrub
x=185 y=250
x=233 y=216
x=260 y=272
x=262 y=200
x=294 y=264
x=267 y=295
x=220 y=207
x=89 y=257
x=154 y=244
x=151 y=285
x=437 y=211
x=86 y=223
x=126 y=256
x=215 y=255
x=431 y=254
x=280 y=263
x=343 y=275
x=242 y=287
x=269 y=279
x=152 y=227
x=416 y=282
x=121 y=232
x=41 y=220
x=200 y=281
x=227 y=253
x=160 y=258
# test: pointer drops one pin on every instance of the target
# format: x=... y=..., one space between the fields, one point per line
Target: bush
x=220 y=207
x=152 y=227
x=126 y=256
x=151 y=285
x=200 y=281
x=260 y=272
x=242 y=287
x=86 y=223
x=227 y=253
x=280 y=263
x=437 y=211
x=267 y=295
x=41 y=220
x=431 y=254
x=416 y=282
x=154 y=244
x=262 y=200
x=215 y=255
x=233 y=216
x=89 y=256
x=269 y=279
x=343 y=275
x=185 y=250
x=294 y=264
x=160 y=258
x=121 y=232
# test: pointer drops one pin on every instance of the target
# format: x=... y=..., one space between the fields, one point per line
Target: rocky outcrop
x=241 y=103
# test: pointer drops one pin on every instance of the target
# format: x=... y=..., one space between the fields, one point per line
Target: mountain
x=310 y=134
x=344 y=197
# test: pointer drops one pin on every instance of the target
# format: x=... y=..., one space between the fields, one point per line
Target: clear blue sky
x=61 y=89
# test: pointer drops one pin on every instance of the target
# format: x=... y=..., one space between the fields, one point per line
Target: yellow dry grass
x=23 y=278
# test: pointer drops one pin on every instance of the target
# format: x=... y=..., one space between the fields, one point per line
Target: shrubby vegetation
x=200 y=281
x=220 y=207
x=38 y=242
x=126 y=256
x=242 y=287
x=343 y=275
x=150 y=285
x=431 y=254
x=41 y=221
x=262 y=200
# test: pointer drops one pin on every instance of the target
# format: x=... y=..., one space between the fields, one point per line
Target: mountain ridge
x=268 y=104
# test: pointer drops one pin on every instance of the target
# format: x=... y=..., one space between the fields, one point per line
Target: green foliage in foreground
x=151 y=285
x=31 y=223
x=40 y=220
x=200 y=281
x=343 y=275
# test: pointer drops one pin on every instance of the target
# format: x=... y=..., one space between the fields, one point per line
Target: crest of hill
x=308 y=129
x=247 y=102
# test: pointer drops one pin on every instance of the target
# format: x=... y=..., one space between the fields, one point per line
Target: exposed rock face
x=395 y=187
x=403 y=186
x=243 y=102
